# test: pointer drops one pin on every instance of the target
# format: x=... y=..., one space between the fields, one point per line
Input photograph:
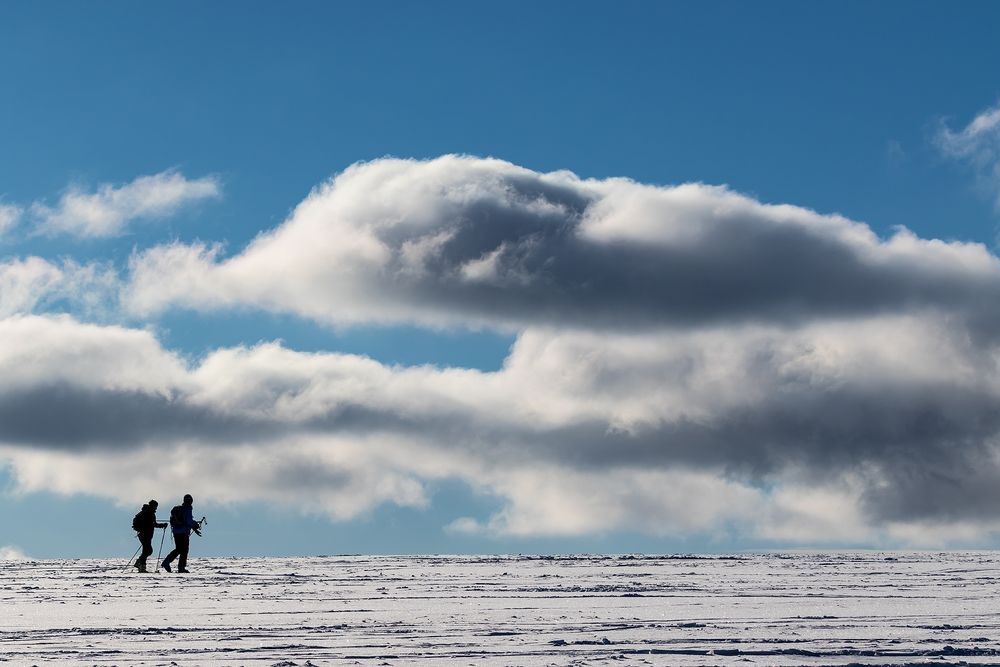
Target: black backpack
x=177 y=517
x=137 y=521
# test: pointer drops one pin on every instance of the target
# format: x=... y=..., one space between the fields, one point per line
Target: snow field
x=766 y=609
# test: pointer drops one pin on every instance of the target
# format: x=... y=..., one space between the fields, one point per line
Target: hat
x=153 y=503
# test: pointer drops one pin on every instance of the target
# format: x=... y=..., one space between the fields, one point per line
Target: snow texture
x=769 y=609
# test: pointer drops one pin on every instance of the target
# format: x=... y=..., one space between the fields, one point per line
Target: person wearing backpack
x=181 y=524
x=145 y=524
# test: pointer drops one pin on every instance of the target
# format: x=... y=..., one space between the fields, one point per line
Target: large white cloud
x=687 y=360
x=865 y=430
x=473 y=242
x=108 y=210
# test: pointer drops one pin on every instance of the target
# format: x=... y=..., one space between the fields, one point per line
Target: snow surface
x=769 y=609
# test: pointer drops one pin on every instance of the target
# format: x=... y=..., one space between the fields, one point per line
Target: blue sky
x=854 y=109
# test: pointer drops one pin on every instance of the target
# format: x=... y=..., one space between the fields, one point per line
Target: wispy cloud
x=12 y=553
x=109 y=209
x=10 y=216
x=979 y=138
x=33 y=284
x=979 y=144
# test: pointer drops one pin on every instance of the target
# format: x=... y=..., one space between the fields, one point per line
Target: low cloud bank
x=893 y=422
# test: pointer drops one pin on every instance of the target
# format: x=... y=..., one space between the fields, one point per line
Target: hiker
x=181 y=524
x=145 y=524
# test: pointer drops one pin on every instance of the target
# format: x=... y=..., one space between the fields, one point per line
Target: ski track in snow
x=767 y=609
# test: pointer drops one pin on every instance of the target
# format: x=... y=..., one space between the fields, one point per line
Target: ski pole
x=160 y=552
x=131 y=559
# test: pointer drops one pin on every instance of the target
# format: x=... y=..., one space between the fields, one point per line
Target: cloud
x=25 y=282
x=979 y=138
x=32 y=283
x=10 y=553
x=895 y=154
x=688 y=360
x=10 y=216
x=460 y=241
x=819 y=434
x=979 y=144
x=109 y=210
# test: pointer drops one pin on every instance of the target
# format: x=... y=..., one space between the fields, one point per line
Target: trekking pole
x=131 y=559
x=160 y=552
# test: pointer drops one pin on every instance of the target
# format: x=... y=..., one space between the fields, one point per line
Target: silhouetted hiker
x=182 y=523
x=145 y=524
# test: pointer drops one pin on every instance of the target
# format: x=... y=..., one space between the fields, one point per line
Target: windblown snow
x=773 y=609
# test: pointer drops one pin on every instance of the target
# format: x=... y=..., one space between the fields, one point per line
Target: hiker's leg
x=147 y=549
x=183 y=543
x=173 y=554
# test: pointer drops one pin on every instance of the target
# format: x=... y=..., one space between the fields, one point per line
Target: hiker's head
x=153 y=504
x=188 y=500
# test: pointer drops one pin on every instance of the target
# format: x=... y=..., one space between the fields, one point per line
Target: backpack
x=177 y=517
x=137 y=521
